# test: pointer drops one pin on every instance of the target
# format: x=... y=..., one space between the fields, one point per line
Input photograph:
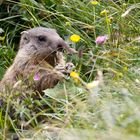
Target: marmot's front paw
x=65 y=69
x=69 y=66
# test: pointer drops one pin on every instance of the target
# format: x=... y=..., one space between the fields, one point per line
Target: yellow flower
x=104 y=12
x=74 y=74
x=68 y=24
x=94 y=2
x=75 y=38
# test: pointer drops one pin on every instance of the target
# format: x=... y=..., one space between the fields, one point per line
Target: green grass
x=70 y=111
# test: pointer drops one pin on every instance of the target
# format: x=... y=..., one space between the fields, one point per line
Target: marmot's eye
x=42 y=38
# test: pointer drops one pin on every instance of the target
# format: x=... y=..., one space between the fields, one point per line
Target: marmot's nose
x=63 y=46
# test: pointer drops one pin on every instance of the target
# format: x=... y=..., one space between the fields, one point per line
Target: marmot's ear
x=24 y=32
x=25 y=38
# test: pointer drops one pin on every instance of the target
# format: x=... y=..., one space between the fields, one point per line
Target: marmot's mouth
x=60 y=47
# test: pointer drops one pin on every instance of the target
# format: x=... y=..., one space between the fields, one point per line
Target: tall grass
x=70 y=111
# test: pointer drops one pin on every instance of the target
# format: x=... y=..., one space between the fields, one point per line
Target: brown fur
x=39 y=53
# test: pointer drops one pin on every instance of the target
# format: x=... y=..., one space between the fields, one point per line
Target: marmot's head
x=43 y=42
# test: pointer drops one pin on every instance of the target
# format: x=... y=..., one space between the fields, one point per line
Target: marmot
x=40 y=53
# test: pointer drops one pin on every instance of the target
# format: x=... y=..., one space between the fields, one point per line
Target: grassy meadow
x=101 y=97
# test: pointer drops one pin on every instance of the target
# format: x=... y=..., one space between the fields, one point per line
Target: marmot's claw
x=65 y=69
